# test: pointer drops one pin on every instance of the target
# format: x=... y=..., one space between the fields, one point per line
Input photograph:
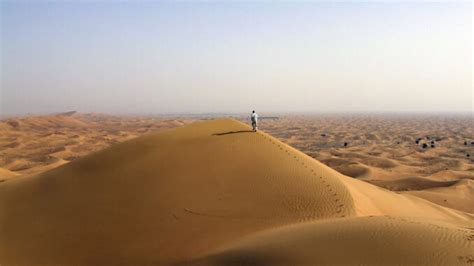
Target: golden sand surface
x=33 y=144
x=383 y=150
x=215 y=193
x=380 y=149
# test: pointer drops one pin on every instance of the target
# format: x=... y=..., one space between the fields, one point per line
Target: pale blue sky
x=174 y=57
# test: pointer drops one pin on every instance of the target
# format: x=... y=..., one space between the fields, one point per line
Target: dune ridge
x=214 y=192
x=397 y=152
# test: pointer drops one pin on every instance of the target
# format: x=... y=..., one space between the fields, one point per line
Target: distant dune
x=381 y=149
x=405 y=153
x=34 y=144
x=215 y=193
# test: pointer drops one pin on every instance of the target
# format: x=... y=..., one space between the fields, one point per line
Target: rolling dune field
x=215 y=193
x=33 y=144
x=387 y=151
x=380 y=149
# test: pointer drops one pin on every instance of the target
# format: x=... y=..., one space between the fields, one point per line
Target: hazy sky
x=168 y=57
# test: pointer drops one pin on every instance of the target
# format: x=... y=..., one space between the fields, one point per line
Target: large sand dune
x=404 y=153
x=215 y=193
x=381 y=149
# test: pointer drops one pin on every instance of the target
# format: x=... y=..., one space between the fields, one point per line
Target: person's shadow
x=232 y=132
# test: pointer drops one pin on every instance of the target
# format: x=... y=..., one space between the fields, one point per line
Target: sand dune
x=413 y=183
x=460 y=195
x=215 y=193
x=386 y=150
x=382 y=240
x=381 y=149
x=33 y=144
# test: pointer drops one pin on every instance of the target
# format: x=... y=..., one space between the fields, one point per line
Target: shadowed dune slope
x=207 y=191
x=414 y=183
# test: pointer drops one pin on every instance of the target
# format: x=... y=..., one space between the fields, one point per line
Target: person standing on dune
x=254 y=118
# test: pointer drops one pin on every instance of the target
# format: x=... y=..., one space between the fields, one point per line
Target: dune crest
x=207 y=193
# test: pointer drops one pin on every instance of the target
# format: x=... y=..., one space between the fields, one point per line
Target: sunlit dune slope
x=190 y=194
x=460 y=195
x=374 y=240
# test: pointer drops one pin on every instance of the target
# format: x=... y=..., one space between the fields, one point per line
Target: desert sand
x=383 y=150
x=214 y=193
x=34 y=144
